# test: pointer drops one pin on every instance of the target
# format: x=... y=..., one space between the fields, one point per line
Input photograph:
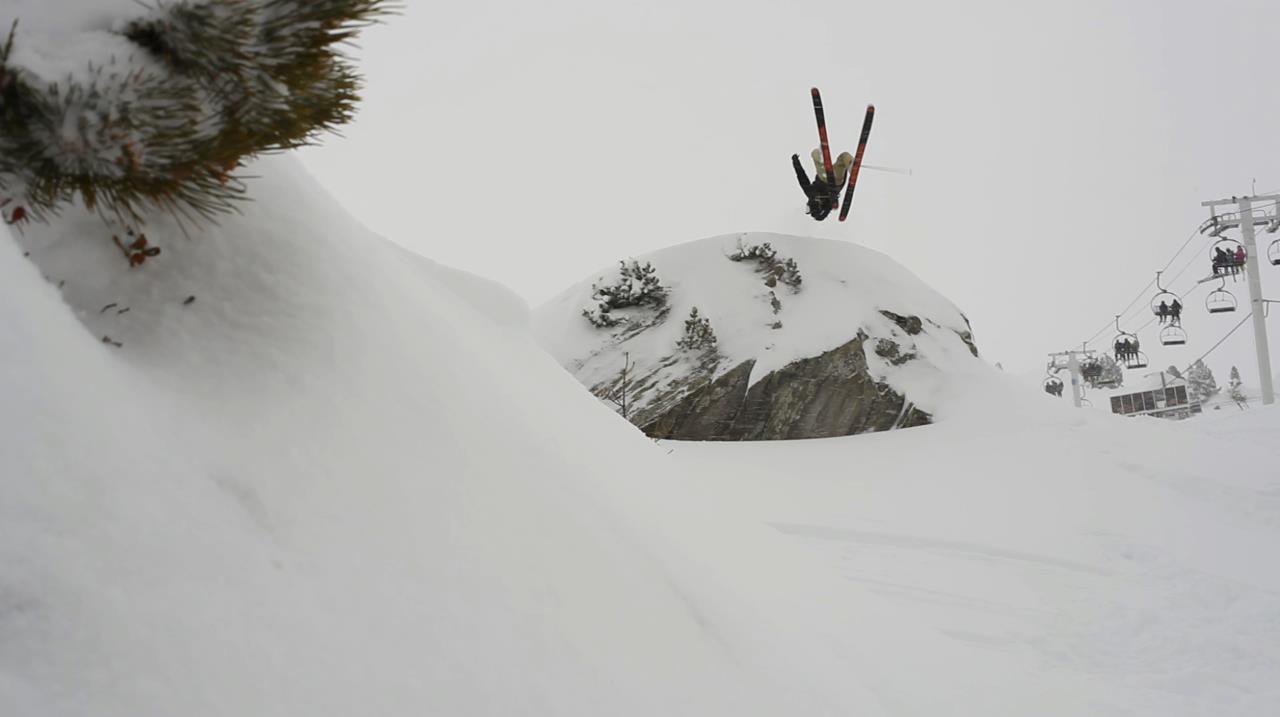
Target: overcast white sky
x=1060 y=149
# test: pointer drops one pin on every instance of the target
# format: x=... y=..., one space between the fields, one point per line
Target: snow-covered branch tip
x=214 y=83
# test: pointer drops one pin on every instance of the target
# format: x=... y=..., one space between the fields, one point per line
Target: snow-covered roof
x=1138 y=381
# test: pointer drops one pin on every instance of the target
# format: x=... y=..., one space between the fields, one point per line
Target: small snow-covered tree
x=635 y=285
x=698 y=335
x=1235 y=388
x=619 y=395
x=1200 y=382
x=756 y=252
x=775 y=269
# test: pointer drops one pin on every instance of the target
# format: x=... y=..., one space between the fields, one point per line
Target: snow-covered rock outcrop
x=761 y=336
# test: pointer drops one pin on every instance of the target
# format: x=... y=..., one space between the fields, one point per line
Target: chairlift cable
x=1152 y=320
x=1193 y=234
x=1148 y=285
x=1192 y=260
x=1215 y=346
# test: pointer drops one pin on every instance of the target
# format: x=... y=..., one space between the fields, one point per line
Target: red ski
x=857 y=161
x=822 y=139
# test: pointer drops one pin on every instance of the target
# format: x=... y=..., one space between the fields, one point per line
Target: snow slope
x=322 y=476
x=324 y=487
x=1129 y=557
x=344 y=480
x=844 y=289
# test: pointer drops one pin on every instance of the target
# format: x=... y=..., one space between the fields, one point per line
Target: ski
x=857 y=161
x=822 y=140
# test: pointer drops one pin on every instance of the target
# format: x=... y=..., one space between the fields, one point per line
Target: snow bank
x=330 y=484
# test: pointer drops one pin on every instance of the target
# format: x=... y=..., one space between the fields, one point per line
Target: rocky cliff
x=759 y=337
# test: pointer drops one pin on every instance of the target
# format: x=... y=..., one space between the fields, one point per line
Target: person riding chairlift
x=1175 y=312
x=1220 y=260
x=1163 y=311
x=1122 y=349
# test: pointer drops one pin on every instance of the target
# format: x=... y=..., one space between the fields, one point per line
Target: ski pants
x=841 y=166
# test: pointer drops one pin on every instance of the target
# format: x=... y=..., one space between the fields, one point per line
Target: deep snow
x=329 y=485
x=344 y=480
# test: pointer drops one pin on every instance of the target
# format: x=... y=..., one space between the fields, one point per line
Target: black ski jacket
x=818 y=192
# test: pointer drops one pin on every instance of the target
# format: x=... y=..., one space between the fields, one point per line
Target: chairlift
x=1220 y=301
x=1053 y=385
x=1126 y=348
x=1223 y=256
x=1273 y=253
x=1091 y=370
x=1166 y=304
x=1173 y=335
x=1213 y=226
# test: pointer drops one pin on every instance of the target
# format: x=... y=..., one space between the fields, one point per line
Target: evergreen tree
x=1235 y=387
x=1200 y=382
x=698 y=335
x=635 y=285
x=775 y=269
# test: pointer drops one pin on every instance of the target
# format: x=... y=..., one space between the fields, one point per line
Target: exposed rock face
x=859 y=345
x=821 y=397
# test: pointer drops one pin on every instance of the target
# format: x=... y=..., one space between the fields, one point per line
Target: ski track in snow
x=981 y=552
x=1129 y=563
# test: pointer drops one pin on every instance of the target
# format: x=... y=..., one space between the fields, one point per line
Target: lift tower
x=1245 y=219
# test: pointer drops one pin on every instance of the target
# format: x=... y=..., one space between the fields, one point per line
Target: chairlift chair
x=1273 y=253
x=1137 y=359
x=1173 y=335
x=1220 y=301
x=1091 y=371
x=1126 y=346
x=1229 y=246
x=1168 y=299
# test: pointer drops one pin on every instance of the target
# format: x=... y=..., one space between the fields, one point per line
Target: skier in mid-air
x=822 y=195
x=823 y=192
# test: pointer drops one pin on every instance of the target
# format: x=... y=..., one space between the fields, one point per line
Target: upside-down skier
x=822 y=194
x=824 y=191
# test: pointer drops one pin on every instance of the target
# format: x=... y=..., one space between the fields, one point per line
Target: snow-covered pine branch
x=635 y=285
x=212 y=84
